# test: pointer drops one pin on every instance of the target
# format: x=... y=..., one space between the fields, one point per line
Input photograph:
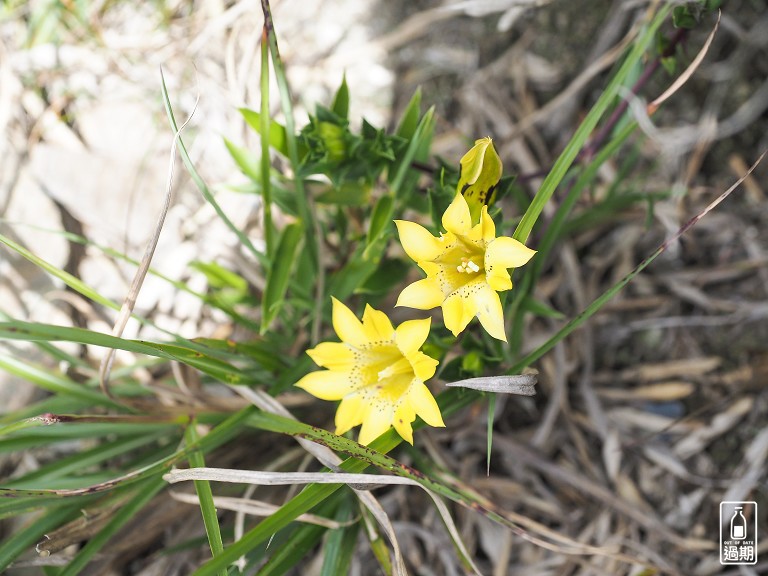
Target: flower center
x=401 y=366
x=467 y=266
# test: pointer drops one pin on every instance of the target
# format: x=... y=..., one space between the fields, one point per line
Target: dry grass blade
x=133 y=292
x=687 y=73
x=583 y=79
x=752 y=468
x=258 y=508
x=355 y=481
x=74 y=532
x=589 y=488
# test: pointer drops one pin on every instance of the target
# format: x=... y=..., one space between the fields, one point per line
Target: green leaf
x=683 y=18
x=607 y=98
x=24 y=538
x=205 y=496
x=198 y=180
x=145 y=493
x=542 y=309
x=51 y=474
x=220 y=277
x=389 y=273
x=340 y=543
x=277 y=134
x=245 y=160
x=418 y=149
x=52 y=382
x=47 y=332
x=345 y=281
x=75 y=283
x=340 y=104
x=355 y=193
x=279 y=274
x=406 y=128
x=381 y=218
x=292 y=551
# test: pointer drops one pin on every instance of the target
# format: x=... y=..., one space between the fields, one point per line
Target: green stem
x=266 y=189
x=312 y=229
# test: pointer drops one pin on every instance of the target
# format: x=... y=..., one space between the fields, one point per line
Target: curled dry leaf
x=522 y=384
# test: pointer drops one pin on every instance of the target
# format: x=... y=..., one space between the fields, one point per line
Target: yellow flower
x=479 y=175
x=377 y=372
x=465 y=268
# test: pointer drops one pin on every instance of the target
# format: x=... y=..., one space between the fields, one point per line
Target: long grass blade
x=264 y=130
x=601 y=300
x=201 y=185
x=205 y=497
x=563 y=163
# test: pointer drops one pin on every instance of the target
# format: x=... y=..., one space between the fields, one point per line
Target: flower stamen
x=467 y=266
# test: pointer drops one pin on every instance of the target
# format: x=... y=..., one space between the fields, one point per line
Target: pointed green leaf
x=245 y=160
x=340 y=104
x=205 y=496
x=410 y=118
x=542 y=309
x=279 y=274
x=381 y=218
x=277 y=135
x=418 y=149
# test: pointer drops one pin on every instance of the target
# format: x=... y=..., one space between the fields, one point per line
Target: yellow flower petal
x=499 y=279
x=458 y=310
x=376 y=421
x=349 y=414
x=425 y=405
x=488 y=226
x=422 y=295
x=376 y=325
x=456 y=218
x=327 y=384
x=418 y=242
x=423 y=366
x=347 y=326
x=404 y=415
x=490 y=312
x=412 y=334
x=371 y=372
x=333 y=355
x=506 y=253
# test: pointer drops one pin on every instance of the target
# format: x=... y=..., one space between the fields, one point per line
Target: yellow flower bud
x=479 y=175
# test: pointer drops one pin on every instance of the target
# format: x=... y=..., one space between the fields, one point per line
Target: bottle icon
x=738 y=525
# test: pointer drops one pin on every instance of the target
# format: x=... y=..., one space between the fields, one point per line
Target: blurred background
x=646 y=418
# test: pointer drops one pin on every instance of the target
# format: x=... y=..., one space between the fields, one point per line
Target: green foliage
x=689 y=15
x=344 y=188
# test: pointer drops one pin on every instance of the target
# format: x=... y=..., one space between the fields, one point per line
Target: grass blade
x=205 y=496
x=35 y=531
x=601 y=300
x=264 y=126
x=145 y=492
x=279 y=274
x=563 y=163
x=75 y=283
x=201 y=185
